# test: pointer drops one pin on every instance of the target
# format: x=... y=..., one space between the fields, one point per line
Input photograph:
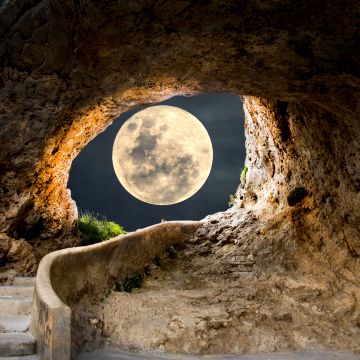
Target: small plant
x=244 y=172
x=132 y=283
x=129 y=284
x=172 y=252
x=95 y=230
x=118 y=287
x=157 y=260
x=296 y=195
x=137 y=281
x=147 y=270
x=232 y=199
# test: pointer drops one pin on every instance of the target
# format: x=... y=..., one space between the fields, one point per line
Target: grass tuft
x=129 y=284
x=232 y=199
x=95 y=230
x=244 y=172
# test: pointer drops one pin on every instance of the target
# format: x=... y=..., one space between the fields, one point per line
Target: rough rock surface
x=69 y=68
x=234 y=291
x=16 y=255
x=115 y=354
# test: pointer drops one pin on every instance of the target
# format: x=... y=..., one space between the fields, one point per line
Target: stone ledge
x=65 y=276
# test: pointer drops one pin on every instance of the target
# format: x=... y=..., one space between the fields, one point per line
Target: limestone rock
x=68 y=69
x=211 y=304
x=20 y=256
x=63 y=81
x=5 y=243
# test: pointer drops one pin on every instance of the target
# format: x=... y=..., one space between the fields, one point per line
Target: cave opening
x=95 y=188
x=279 y=271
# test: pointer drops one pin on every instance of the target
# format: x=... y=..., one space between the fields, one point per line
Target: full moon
x=162 y=155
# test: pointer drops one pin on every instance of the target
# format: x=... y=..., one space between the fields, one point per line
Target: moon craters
x=162 y=155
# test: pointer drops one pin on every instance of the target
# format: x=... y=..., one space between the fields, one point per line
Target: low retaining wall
x=65 y=276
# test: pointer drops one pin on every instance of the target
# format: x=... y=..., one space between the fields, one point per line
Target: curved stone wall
x=66 y=276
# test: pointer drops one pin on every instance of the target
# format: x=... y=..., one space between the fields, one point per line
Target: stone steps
x=14 y=323
x=24 y=281
x=17 y=290
x=15 y=305
x=16 y=343
x=26 y=357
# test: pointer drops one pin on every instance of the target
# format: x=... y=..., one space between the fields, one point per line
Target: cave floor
x=113 y=354
x=233 y=292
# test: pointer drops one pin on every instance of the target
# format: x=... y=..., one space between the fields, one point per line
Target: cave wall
x=292 y=145
x=69 y=68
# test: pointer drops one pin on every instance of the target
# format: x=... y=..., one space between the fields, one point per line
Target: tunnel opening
x=261 y=276
x=95 y=188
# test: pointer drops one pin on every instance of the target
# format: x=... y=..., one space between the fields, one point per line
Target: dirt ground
x=224 y=293
x=115 y=354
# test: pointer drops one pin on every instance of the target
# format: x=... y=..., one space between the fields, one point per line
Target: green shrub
x=243 y=173
x=232 y=198
x=129 y=284
x=133 y=283
x=95 y=230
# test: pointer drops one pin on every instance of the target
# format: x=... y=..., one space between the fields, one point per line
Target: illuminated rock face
x=68 y=69
x=303 y=178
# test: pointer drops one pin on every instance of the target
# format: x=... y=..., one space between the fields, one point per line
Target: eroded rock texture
x=231 y=292
x=304 y=175
x=278 y=271
x=70 y=67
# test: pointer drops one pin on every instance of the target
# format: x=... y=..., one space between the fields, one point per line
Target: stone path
x=15 y=308
x=113 y=354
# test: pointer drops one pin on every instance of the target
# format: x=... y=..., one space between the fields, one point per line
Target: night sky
x=95 y=187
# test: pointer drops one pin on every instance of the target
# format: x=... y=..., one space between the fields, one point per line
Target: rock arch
x=70 y=67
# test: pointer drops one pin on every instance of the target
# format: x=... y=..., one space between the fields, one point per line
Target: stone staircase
x=15 y=307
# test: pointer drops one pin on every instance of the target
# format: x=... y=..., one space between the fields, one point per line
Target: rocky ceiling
x=69 y=68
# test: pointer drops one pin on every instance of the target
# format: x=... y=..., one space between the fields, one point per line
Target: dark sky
x=95 y=187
